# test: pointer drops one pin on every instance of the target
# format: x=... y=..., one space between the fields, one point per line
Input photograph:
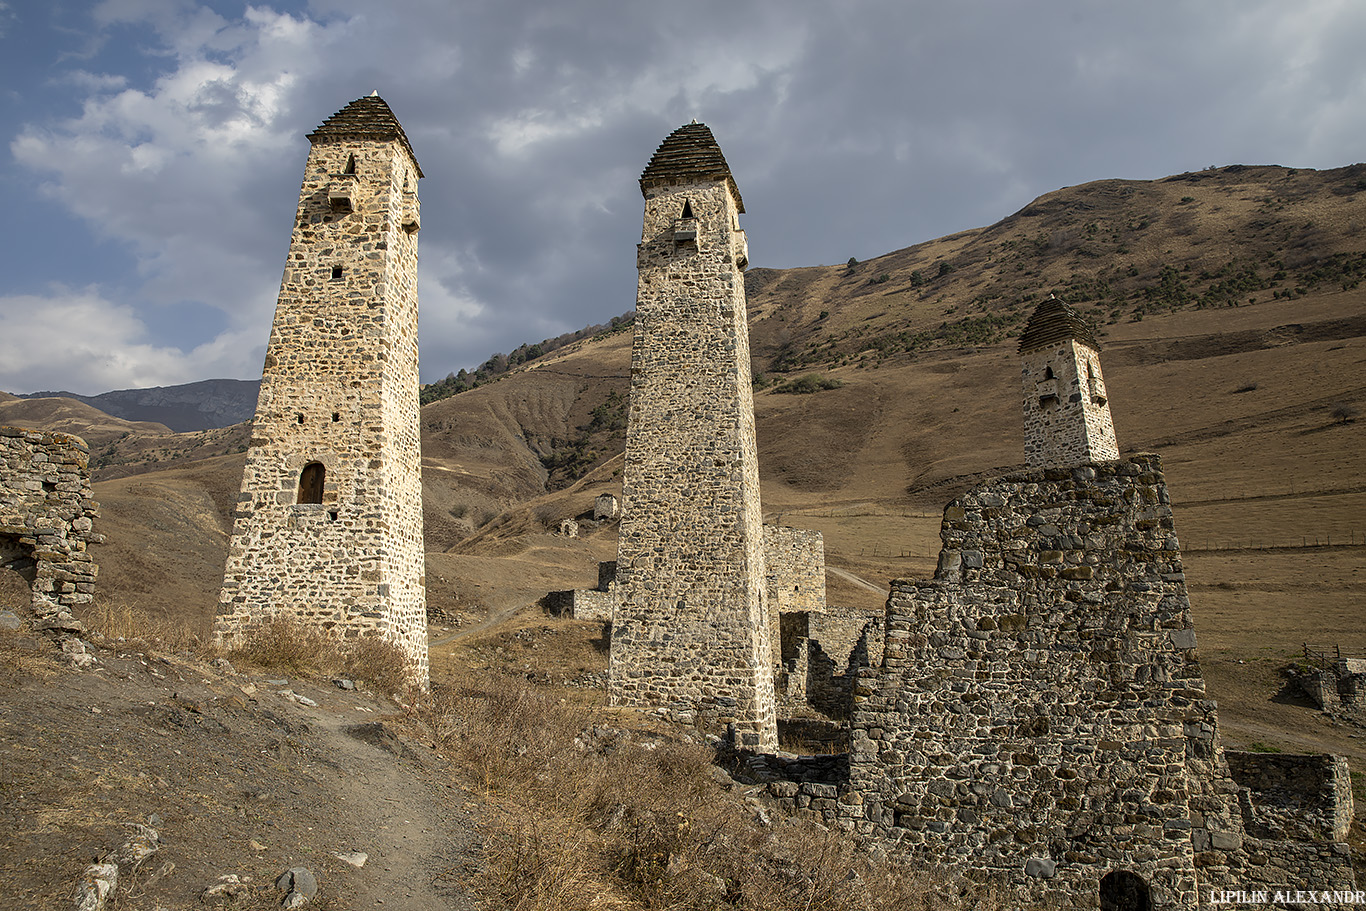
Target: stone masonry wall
x=339 y=390
x=1338 y=686
x=1296 y=812
x=1066 y=409
x=1294 y=796
x=795 y=560
x=1040 y=709
x=47 y=515
x=691 y=631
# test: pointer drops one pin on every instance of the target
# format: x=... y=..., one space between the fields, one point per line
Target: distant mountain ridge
x=204 y=405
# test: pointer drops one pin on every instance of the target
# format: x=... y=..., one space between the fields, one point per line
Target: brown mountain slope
x=1238 y=399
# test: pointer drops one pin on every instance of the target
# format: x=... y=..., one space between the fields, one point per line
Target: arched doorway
x=1123 y=890
x=311 y=483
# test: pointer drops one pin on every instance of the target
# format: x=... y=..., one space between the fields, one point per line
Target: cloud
x=852 y=129
x=76 y=340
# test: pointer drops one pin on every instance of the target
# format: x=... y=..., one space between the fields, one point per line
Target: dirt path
x=857 y=580
x=487 y=623
x=242 y=779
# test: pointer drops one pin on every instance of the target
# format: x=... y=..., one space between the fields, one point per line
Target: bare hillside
x=1234 y=330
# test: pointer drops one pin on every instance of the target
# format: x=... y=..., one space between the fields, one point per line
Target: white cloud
x=851 y=128
x=75 y=339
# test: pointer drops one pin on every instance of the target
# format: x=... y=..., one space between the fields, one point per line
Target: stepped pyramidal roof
x=689 y=155
x=1054 y=321
x=365 y=118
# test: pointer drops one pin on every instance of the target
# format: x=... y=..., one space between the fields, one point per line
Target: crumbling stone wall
x=1338 y=686
x=795 y=560
x=328 y=526
x=823 y=652
x=47 y=514
x=691 y=632
x=1296 y=812
x=1305 y=797
x=1040 y=707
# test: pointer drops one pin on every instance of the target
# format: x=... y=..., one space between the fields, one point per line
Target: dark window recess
x=332 y=514
x=687 y=209
x=311 y=483
x=336 y=271
x=1047 y=371
x=49 y=486
x=350 y=165
x=336 y=416
x=299 y=417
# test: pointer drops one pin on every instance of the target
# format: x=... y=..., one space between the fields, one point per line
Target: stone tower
x=328 y=526
x=1066 y=412
x=691 y=632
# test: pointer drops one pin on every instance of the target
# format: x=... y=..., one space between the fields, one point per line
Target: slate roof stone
x=690 y=154
x=365 y=118
x=1054 y=321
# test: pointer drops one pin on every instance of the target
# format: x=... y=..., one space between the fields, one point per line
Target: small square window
x=336 y=271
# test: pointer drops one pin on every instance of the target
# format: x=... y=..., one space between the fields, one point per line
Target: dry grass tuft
x=286 y=646
x=585 y=815
x=25 y=654
x=121 y=622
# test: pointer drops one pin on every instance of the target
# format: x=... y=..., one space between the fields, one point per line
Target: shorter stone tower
x=1066 y=412
x=691 y=629
x=328 y=526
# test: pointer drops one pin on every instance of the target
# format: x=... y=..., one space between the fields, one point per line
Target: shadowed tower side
x=328 y=527
x=691 y=632
x=1066 y=411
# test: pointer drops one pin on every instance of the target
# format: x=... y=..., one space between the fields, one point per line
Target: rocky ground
x=240 y=775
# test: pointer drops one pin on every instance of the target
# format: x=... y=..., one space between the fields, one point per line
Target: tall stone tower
x=328 y=526
x=1066 y=412
x=691 y=632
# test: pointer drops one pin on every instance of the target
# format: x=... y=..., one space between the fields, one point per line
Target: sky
x=153 y=149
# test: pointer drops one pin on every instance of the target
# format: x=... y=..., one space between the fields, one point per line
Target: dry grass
x=286 y=646
x=121 y=622
x=24 y=654
x=582 y=815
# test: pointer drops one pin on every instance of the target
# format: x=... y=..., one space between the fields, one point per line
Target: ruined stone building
x=328 y=526
x=47 y=514
x=691 y=628
x=1039 y=715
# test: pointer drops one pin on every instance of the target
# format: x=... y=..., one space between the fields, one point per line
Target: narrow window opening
x=687 y=209
x=336 y=271
x=336 y=416
x=1048 y=373
x=49 y=487
x=311 y=483
x=350 y=165
x=299 y=417
x=1122 y=890
x=332 y=515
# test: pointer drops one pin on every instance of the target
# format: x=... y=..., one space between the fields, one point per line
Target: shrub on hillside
x=805 y=385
